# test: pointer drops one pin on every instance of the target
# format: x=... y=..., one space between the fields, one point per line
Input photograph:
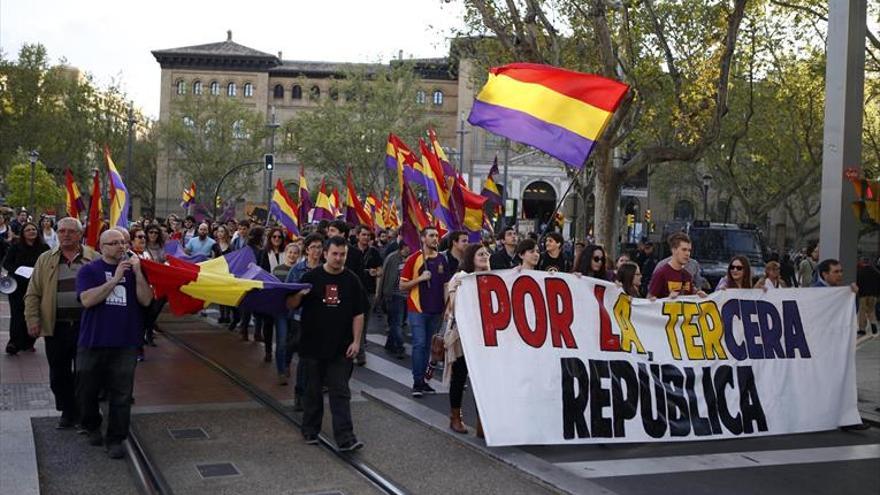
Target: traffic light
x=630 y=219
x=269 y=160
x=648 y=215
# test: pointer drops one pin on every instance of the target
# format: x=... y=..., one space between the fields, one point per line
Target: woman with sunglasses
x=476 y=259
x=155 y=243
x=23 y=252
x=739 y=275
x=272 y=256
x=592 y=263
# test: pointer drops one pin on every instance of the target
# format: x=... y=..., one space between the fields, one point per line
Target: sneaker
x=95 y=438
x=417 y=391
x=427 y=389
x=311 y=439
x=115 y=451
x=351 y=445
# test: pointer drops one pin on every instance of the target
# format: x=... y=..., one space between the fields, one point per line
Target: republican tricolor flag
x=189 y=195
x=74 y=199
x=283 y=208
x=558 y=111
x=120 y=203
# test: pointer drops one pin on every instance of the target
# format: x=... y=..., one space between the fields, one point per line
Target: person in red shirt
x=671 y=279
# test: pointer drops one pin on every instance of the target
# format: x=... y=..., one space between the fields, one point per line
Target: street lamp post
x=461 y=133
x=33 y=156
x=273 y=125
x=707 y=179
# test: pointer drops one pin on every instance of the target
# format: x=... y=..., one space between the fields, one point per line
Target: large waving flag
x=323 y=207
x=284 y=209
x=74 y=201
x=438 y=192
x=490 y=189
x=172 y=247
x=120 y=202
x=230 y=280
x=96 y=214
x=305 y=201
x=189 y=195
x=558 y=111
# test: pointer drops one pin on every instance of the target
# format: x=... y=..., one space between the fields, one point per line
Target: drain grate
x=217 y=470
x=188 y=433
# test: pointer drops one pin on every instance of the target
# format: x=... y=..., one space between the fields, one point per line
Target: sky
x=112 y=40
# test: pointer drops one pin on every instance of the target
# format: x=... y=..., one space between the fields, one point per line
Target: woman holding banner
x=476 y=259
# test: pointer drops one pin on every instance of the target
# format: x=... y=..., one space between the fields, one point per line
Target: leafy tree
x=207 y=136
x=676 y=57
x=48 y=194
x=351 y=129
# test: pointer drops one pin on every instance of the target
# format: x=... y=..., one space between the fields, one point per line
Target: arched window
x=296 y=92
x=215 y=88
x=278 y=92
x=230 y=89
x=248 y=90
x=421 y=97
x=315 y=92
x=438 y=97
x=181 y=87
x=197 y=87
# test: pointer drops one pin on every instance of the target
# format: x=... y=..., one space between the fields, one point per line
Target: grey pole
x=33 y=156
x=128 y=164
x=461 y=132
x=844 y=93
x=504 y=189
x=272 y=125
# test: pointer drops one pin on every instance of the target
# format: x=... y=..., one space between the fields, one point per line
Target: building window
x=197 y=87
x=438 y=97
x=181 y=87
x=248 y=90
x=315 y=93
x=230 y=89
x=421 y=97
x=215 y=88
x=278 y=92
x=296 y=92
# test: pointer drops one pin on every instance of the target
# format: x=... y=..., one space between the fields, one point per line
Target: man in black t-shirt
x=458 y=240
x=332 y=322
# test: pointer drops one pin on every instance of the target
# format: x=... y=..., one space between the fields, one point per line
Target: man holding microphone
x=114 y=292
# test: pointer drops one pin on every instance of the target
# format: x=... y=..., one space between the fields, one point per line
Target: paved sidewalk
x=868 y=378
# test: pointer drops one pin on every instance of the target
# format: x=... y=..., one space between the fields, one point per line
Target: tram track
x=147 y=475
x=375 y=477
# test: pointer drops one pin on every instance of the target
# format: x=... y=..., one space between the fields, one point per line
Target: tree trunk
x=606 y=193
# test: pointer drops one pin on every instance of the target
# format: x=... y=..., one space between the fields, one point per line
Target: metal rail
x=149 y=479
x=375 y=477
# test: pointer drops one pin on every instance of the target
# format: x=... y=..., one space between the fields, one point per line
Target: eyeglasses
x=736 y=268
x=598 y=259
x=140 y=236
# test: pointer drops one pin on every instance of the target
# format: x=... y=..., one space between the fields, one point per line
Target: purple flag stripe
x=563 y=144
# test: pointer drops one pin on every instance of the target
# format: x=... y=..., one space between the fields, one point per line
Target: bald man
x=113 y=291
x=201 y=243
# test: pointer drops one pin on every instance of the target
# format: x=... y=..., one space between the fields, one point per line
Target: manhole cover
x=217 y=470
x=187 y=433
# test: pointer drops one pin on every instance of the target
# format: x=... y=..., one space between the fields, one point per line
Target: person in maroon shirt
x=671 y=279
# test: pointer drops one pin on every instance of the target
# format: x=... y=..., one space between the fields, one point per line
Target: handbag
x=438 y=348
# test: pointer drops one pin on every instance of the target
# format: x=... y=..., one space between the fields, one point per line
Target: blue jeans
x=396 y=308
x=423 y=326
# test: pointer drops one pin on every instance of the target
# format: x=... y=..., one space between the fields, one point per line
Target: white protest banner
x=556 y=359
